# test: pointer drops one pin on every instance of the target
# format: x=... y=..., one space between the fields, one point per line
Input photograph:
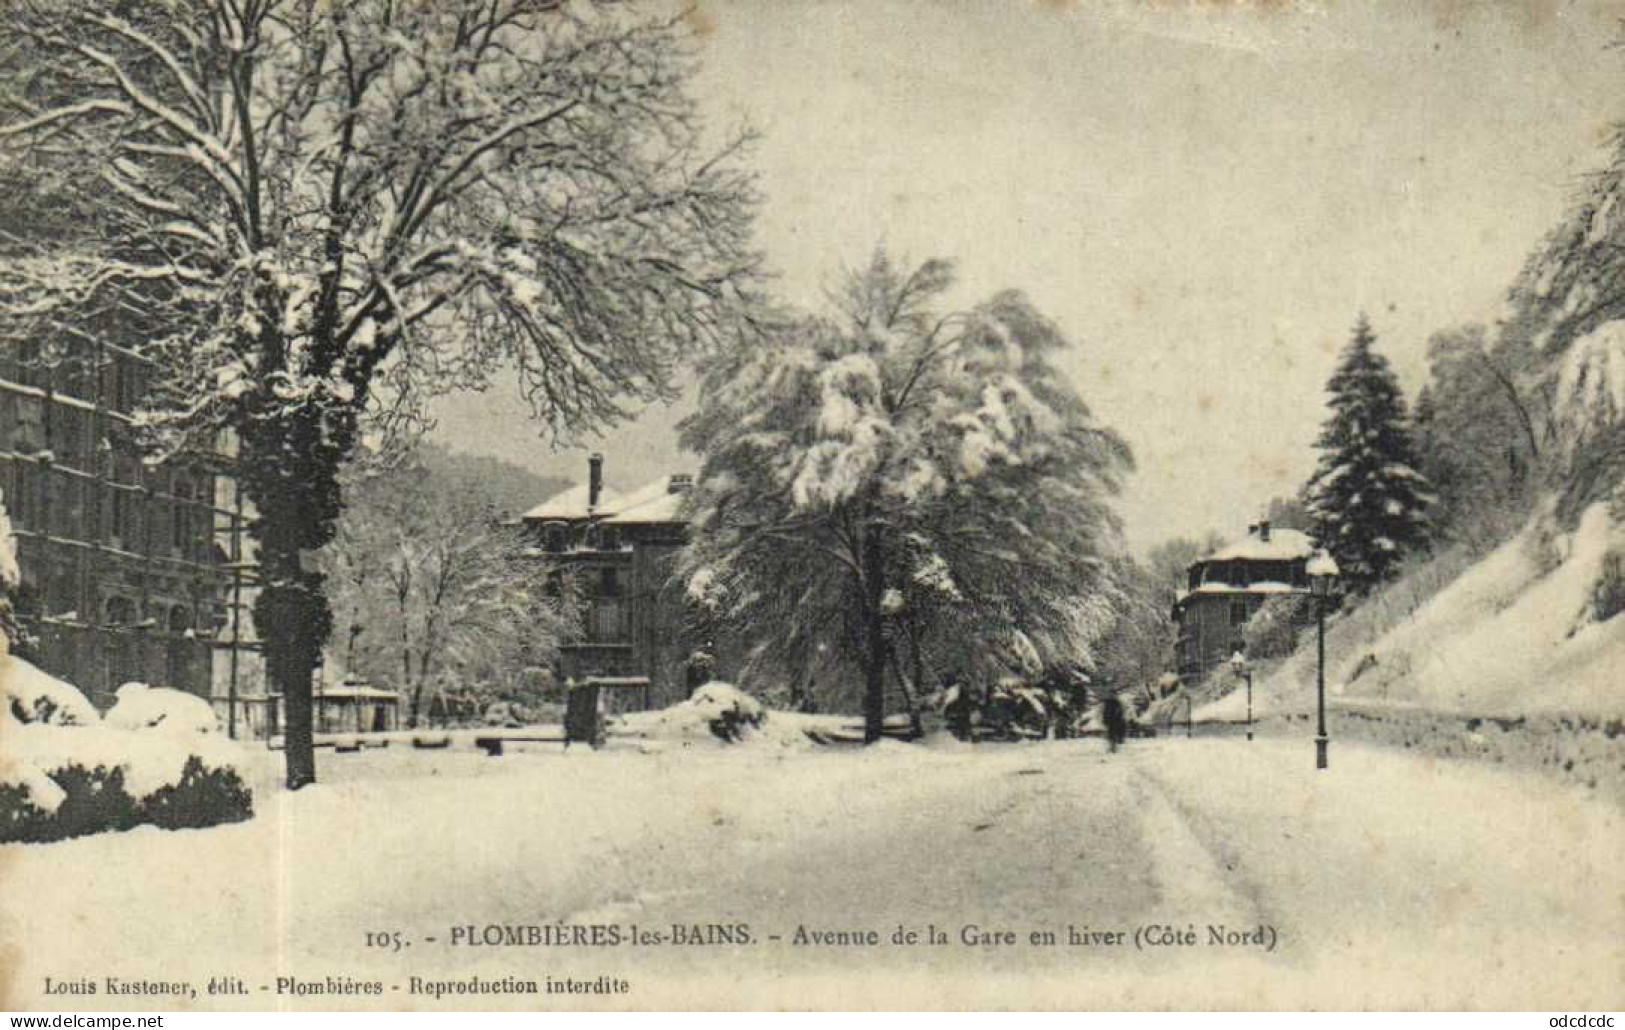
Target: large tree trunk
x=874 y=631
x=289 y=467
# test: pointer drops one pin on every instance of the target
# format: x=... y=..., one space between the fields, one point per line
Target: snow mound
x=721 y=696
x=1506 y=637
x=718 y=714
x=32 y=697
x=140 y=707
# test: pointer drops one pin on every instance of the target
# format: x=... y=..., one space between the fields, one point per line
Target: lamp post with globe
x=1322 y=570
x=1238 y=665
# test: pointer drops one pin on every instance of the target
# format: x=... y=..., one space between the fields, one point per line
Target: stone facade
x=122 y=578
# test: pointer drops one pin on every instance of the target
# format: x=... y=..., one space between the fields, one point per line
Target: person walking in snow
x=1111 y=713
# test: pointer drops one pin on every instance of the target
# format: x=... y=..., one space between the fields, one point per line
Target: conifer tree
x=1367 y=501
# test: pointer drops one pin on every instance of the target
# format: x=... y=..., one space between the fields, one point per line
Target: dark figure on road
x=1111 y=713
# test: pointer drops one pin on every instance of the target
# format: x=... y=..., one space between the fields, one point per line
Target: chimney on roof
x=595 y=480
x=681 y=483
x=1263 y=531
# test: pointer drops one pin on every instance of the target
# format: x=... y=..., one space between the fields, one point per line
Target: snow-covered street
x=1386 y=881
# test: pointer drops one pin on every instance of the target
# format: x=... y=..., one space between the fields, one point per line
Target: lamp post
x=1238 y=665
x=1322 y=570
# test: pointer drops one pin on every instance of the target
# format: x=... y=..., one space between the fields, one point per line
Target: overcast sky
x=1203 y=195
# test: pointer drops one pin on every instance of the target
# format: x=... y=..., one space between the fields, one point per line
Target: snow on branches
x=1366 y=499
x=356 y=203
x=902 y=488
x=313 y=215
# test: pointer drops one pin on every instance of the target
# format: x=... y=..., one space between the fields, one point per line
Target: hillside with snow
x=1515 y=634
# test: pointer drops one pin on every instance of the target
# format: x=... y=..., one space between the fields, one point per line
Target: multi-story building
x=1225 y=588
x=621 y=547
x=126 y=567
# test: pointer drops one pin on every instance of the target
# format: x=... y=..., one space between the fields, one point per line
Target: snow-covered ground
x=1513 y=635
x=1389 y=880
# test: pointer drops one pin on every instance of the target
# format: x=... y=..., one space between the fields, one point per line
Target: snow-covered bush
x=66 y=772
x=1608 y=592
x=728 y=711
x=33 y=697
x=718 y=711
x=140 y=707
x=1272 y=632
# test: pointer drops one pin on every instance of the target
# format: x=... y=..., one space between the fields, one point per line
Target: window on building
x=29 y=437
x=28 y=602
x=67 y=505
x=62 y=592
x=20 y=494
x=123 y=502
x=181 y=517
x=1238 y=611
x=609 y=538
x=609 y=582
x=556 y=538
x=606 y=623
x=120 y=611
x=126 y=383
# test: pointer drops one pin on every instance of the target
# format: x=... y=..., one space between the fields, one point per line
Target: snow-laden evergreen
x=1367 y=501
x=904 y=492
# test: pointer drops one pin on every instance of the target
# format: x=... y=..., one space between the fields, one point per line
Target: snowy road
x=1386 y=881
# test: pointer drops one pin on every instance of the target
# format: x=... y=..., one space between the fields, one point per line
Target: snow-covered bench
x=492 y=742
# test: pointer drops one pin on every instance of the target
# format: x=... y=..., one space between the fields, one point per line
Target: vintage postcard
x=846 y=504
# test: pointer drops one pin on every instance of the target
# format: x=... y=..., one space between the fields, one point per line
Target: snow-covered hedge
x=65 y=772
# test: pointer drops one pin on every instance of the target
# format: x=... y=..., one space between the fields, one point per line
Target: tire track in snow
x=1201 y=876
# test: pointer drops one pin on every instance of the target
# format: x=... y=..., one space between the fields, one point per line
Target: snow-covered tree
x=433 y=588
x=11 y=578
x=313 y=214
x=1367 y=501
x=1481 y=429
x=891 y=490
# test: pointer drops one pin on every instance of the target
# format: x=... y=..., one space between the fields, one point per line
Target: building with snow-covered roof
x=622 y=547
x=1225 y=588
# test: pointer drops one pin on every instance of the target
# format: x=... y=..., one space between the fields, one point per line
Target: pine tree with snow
x=1367 y=501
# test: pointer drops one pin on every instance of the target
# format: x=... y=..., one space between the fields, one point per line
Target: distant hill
x=512 y=489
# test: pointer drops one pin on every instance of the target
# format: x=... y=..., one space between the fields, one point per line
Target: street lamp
x=1238 y=665
x=1322 y=569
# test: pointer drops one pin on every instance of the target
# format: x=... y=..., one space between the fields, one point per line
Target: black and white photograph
x=759 y=505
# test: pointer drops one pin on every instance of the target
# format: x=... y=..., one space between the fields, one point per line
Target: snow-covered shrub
x=1272 y=631
x=1608 y=592
x=140 y=707
x=718 y=711
x=31 y=696
x=65 y=772
x=98 y=799
x=502 y=713
x=204 y=796
x=728 y=710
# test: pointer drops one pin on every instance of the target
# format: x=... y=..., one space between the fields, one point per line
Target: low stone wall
x=1584 y=750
